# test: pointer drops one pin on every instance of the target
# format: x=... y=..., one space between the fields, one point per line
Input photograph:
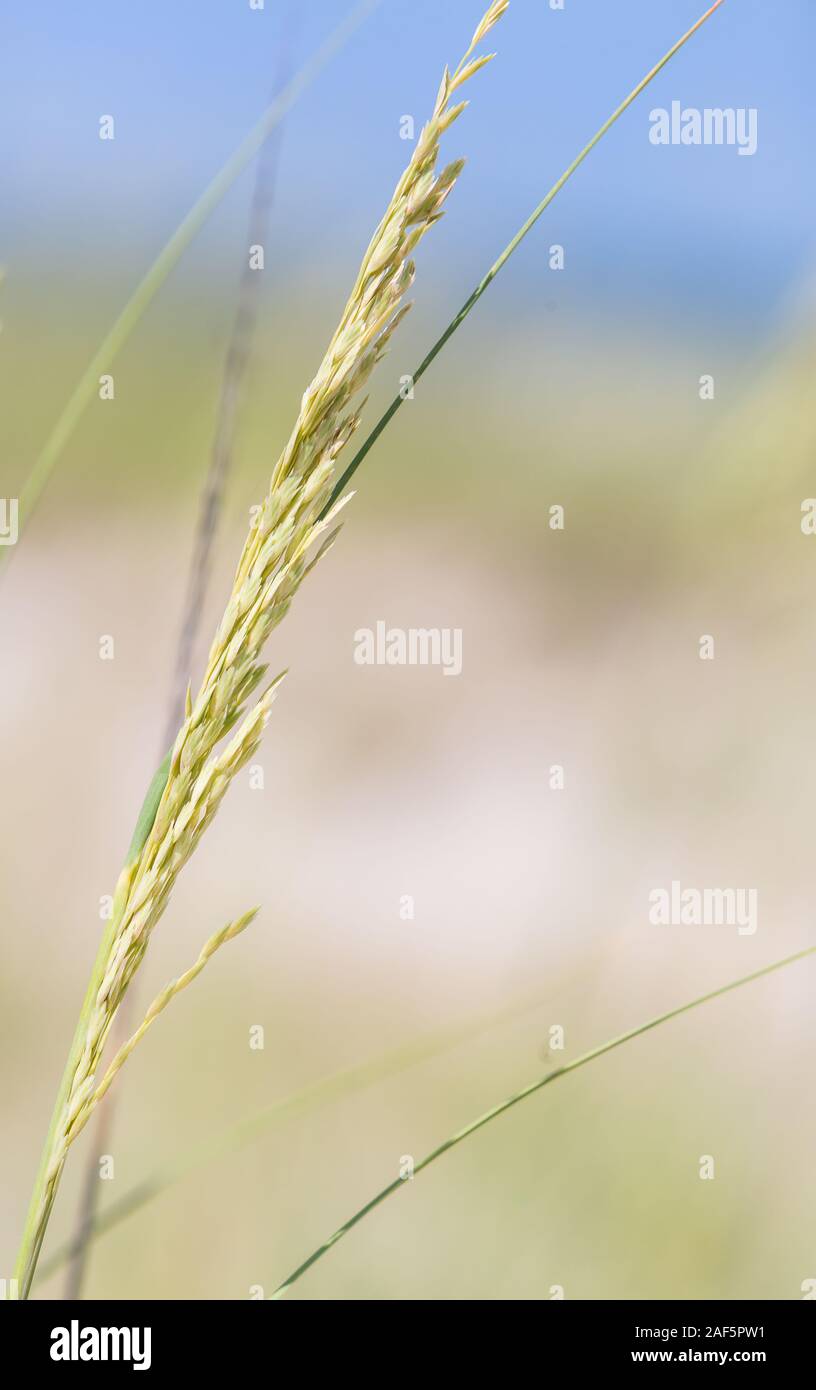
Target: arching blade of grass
x=488 y=279
x=347 y=1082
x=350 y=1081
x=519 y=1096
x=145 y=291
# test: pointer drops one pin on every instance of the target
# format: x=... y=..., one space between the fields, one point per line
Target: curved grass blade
x=521 y=1095
x=488 y=279
x=145 y=291
x=347 y=1082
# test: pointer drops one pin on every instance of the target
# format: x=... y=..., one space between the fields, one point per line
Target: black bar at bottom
x=155 y=1338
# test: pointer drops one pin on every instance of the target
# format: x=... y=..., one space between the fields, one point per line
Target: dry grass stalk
x=236 y=362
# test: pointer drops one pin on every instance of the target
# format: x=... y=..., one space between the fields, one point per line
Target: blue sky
x=186 y=79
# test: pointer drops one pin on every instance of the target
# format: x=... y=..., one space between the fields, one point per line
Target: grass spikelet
x=487 y=22
x=227 y=933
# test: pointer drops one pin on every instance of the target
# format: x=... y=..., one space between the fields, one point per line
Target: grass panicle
x=288 y=536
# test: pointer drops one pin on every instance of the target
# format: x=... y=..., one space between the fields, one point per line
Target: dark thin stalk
x=236 y=362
